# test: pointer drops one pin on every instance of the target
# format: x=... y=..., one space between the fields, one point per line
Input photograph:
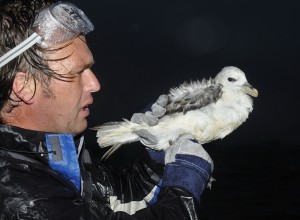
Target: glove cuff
x=158 y=156
x=189 y=172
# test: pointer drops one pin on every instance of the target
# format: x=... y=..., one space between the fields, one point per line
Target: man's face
x=67 y=109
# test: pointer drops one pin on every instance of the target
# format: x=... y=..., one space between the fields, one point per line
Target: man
x=46 y=87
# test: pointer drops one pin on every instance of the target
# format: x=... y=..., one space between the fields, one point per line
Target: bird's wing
x=193 y=95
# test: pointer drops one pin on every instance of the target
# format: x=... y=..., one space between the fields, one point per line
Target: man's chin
x=80 y=128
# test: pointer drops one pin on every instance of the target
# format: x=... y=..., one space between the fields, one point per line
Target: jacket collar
x=26 y=142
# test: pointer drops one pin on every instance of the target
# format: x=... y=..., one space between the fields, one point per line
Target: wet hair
x=16 y=19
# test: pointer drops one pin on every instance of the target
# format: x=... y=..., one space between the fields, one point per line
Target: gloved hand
x=151 y=118
x=184 y=158
x=188 y=166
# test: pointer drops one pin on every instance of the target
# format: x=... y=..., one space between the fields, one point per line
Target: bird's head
x=233 y=79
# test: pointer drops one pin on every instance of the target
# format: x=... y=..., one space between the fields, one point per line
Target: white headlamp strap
x=19 y=49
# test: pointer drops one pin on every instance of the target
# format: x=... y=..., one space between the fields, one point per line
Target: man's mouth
x=86 y=110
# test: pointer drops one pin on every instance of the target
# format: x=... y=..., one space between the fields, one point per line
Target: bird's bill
x=248 y=89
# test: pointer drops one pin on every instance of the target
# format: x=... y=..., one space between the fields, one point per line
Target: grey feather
x=194 y=95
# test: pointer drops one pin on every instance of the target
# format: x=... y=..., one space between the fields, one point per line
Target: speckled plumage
x=207 y=109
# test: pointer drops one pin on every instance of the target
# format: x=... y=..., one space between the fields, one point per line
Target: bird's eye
x=231 y=79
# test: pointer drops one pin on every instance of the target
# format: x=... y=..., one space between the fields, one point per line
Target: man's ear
x=23 y=88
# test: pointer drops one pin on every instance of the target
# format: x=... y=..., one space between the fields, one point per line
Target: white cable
x=19 y=49
x=80 y=145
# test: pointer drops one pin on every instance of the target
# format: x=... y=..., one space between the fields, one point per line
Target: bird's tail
x=116 y=134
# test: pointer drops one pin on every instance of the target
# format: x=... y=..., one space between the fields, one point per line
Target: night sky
x=143 y=48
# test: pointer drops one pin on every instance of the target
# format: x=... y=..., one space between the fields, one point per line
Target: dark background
x=143 y=48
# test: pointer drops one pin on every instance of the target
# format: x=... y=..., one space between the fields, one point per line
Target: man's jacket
x=53 y=176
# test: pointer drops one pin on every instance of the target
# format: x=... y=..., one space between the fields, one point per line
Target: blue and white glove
x=188 y=166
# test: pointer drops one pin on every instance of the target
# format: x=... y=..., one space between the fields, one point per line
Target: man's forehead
x=75 y=56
